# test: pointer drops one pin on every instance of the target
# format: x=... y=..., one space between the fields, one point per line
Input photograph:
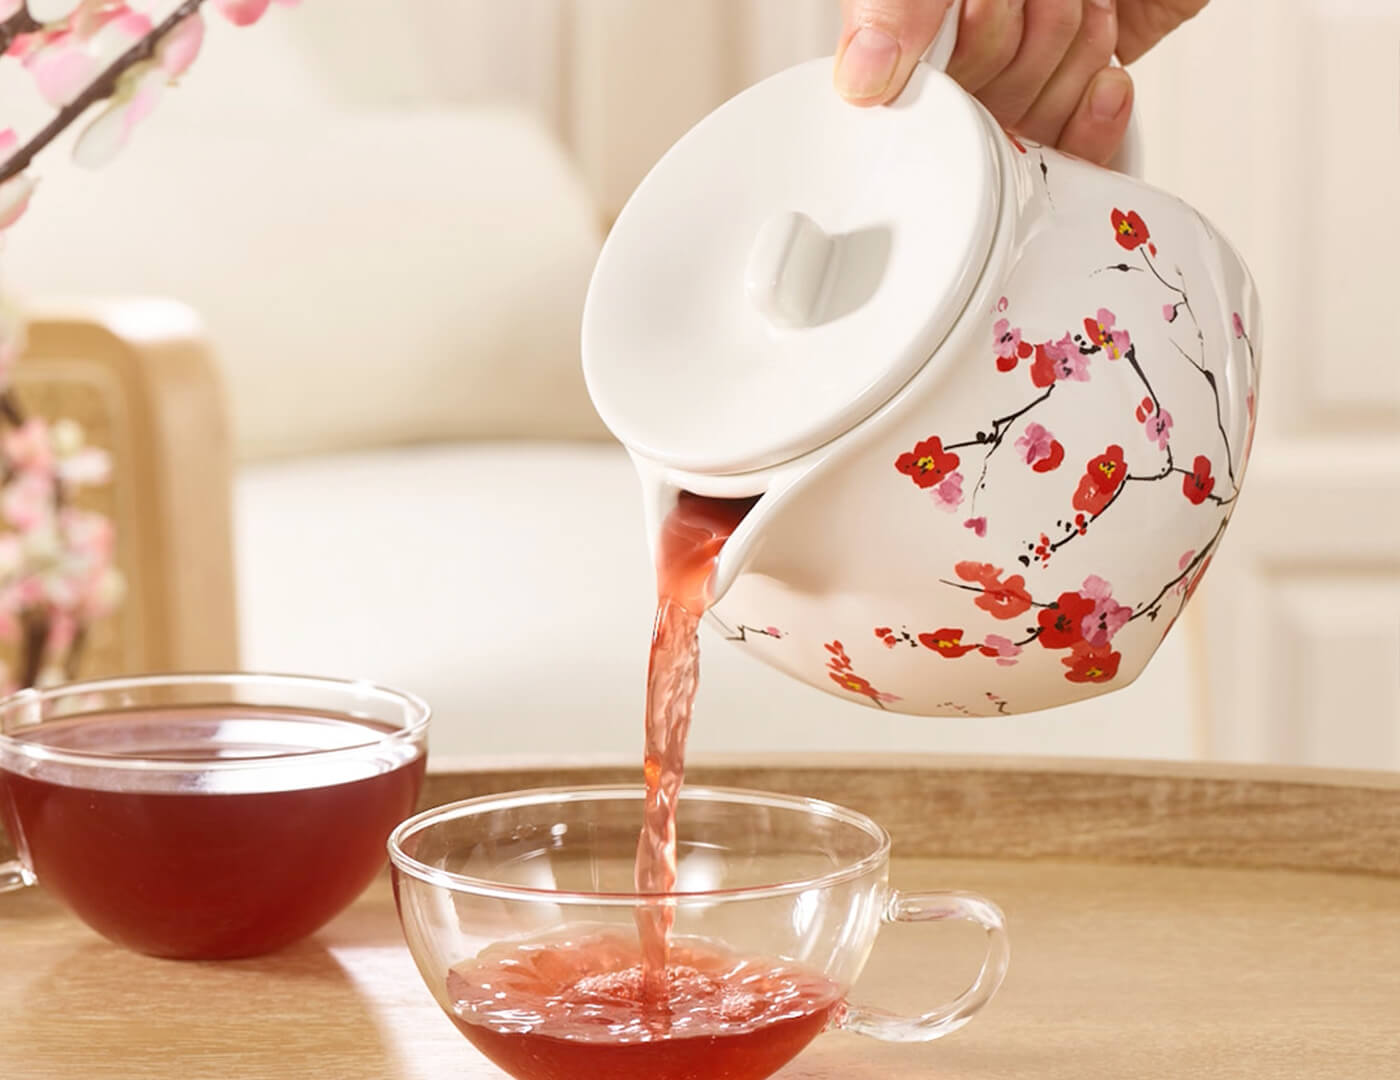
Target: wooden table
x=1166 y=922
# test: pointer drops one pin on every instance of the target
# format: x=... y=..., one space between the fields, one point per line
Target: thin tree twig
x=101 y=88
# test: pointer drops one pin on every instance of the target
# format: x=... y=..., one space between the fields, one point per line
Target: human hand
x=1041 y=67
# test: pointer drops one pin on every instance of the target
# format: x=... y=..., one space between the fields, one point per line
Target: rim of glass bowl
x=414 y=707
x=607 y=792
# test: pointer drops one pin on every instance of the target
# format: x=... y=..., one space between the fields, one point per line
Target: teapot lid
x=786 y=267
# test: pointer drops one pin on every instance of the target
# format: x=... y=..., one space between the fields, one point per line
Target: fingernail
x=1109 y=95
x=867 y=65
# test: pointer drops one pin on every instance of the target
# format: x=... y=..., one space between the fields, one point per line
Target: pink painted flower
x=1002 y=648
x=1238 y=324
x=1169 y=312
x=1181 y=564
x=1040 y=449
x=1159 y=428
x=1107 y=617
x=949 y=494
x=1067 y=361
x=1102 y=333
x=1010 y=349
x=978 y=525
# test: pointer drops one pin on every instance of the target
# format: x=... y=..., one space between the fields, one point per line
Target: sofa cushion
x=510 y=586
x=366 y=277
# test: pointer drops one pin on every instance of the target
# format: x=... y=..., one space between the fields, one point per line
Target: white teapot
x=996 y=402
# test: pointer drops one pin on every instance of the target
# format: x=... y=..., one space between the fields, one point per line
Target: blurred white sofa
x=424 y=495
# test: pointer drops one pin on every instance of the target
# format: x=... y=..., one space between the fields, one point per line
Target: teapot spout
x=728 y=508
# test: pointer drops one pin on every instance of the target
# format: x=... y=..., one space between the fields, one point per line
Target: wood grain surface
x=1121 y=969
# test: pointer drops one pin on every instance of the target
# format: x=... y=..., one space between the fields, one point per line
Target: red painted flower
x=1103 y=333
x=929 y=464
x=852 y=682
x=1198 y=485
x=1131 y=230
x=946 y=642
x=1041 y=450
x=1002 y=599
x=1062 y=626
x=839 y=660
x=1090 y=663
x=1102 y=478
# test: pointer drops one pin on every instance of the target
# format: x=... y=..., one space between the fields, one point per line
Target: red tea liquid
x=574 y=1009
x=213 y=864
x=692 y=537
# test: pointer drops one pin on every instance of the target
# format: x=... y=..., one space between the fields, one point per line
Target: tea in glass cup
x=520 y=913
x=206 y=816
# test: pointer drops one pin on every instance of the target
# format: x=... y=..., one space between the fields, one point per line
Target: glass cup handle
x=935 y=907
x=14 y=875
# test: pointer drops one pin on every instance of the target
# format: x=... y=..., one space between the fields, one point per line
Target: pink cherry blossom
x=27 y=501
x=179 y=48
x=1003 y=648
x=1067 y=360
x=28 y=447
x=247 y=12
x=1169 y=312
x=1036 y=445
x=949 y=494
x=65 y=60
x=14 y=192
x=1006 y=338
x=141 y=88
x=9 y=8
x=1108 y=616
x=1238 y=324
x=1159 y=428
x=978 y=525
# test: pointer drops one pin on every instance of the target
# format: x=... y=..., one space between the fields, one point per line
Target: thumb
x=881 y=41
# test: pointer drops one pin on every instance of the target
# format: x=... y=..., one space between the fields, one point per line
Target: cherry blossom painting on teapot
x=1024 y=524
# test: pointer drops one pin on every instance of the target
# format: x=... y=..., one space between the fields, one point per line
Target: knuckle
x=1060 y=19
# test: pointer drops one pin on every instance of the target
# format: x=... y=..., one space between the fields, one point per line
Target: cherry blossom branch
x=1199 y=558
x=1000 y=427
x=1209 y=377
x=101 y=88
x=982 y=589
x=21 y=22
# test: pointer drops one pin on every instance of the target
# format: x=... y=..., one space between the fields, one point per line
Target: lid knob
x=789 y=266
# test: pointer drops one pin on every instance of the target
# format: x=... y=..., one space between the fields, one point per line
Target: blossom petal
x=179 y=48
x=15 y=194
x=242 y=12
x=51 y=11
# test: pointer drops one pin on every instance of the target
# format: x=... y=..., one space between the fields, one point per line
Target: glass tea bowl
x=206 y=816
x=519 y=912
